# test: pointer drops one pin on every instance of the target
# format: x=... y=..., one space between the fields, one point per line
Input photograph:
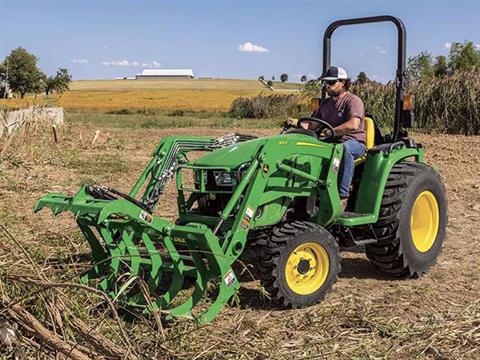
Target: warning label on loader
x=146 y=216
x=247 y=218
x=335 y=164
x=229 y=279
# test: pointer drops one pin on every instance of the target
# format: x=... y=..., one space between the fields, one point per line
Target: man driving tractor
x=345 y=112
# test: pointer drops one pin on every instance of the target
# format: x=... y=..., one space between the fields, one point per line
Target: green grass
x=163 y=121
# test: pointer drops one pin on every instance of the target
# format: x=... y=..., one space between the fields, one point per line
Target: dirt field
x=367 y=315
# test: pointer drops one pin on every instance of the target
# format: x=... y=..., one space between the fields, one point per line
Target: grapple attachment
x=152 y=256
x=145 y=261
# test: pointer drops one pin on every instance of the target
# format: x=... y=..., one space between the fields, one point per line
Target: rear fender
x=374 y=177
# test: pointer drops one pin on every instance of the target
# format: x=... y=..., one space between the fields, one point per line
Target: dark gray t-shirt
x=338 y=112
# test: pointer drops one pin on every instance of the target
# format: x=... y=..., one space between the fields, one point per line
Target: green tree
x=3 y=71
x=23 y=74
x=362 y=78
x=463 y=57
x=303 y=78
x=284 y=77
x=270 y=83
x=273 y=78
x=261 y=78
x=441 y=67
x=59 y=83
x=420 y=67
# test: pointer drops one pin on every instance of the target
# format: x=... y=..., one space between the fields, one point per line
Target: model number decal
x=335 y=164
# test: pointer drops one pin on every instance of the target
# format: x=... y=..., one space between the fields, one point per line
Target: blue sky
x=108 y=39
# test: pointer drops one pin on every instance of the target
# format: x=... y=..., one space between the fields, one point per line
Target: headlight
x=222 y=178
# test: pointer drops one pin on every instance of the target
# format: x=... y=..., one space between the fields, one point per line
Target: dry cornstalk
x=97 y=132
x=55 y=134
x=32 y=325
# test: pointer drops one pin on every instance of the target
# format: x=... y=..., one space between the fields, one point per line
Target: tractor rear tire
x=412 y=222
x=298 y=263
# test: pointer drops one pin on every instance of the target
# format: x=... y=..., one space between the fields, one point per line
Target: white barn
x=155 y=74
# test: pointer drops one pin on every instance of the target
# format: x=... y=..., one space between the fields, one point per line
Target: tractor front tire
x=412 y=222
x=298 y=264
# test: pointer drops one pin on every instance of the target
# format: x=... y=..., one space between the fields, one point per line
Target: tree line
x=424 y=67
x=20 y=74
x=283 y=78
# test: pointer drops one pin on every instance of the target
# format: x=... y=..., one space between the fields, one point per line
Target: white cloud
x=153 y=64
x=447 y=45
x=252 y=48
x=80 y=61
x=383 y=51
x=120 y=63
x=477 y=46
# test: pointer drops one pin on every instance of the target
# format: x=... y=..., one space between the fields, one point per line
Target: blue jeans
x=352 y=149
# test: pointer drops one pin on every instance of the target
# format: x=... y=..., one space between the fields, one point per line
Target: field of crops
x=156 y=95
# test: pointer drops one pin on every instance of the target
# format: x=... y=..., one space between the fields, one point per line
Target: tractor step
x=349 y=218
x=365 y=242
x=351 y=214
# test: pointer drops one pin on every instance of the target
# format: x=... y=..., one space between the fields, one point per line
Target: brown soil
x=367 y=315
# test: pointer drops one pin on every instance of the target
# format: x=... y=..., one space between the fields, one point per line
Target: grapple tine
x=225 y=292
x=133 y=258
x=201 y=280
x=202 y=244
x=117 y=253
x=155 y=278
x=220 y=268
x=99 y=255
x=178 y=273
x=156 y=270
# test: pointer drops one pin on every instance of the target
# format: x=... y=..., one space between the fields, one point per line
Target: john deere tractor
x=276 y=195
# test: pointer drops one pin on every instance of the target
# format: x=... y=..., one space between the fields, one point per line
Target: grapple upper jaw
x=57 y=202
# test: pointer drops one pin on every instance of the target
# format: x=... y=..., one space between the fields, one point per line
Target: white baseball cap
x=335 y=73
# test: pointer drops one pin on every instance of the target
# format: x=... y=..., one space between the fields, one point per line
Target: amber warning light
x=407 y=102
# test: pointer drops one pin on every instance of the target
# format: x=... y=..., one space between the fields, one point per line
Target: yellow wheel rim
x=424 y=221
x=307 y=268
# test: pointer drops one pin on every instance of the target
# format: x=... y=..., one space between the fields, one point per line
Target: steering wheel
x=324 y=127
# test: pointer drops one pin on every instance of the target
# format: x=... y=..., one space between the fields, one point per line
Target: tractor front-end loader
x=276 y=196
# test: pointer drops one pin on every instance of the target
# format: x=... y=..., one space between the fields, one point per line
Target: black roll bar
x=401 y=59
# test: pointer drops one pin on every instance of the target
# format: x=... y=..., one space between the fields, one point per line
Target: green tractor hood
x=231 y=156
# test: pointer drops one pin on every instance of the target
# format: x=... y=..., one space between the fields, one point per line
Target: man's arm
x=347 y=127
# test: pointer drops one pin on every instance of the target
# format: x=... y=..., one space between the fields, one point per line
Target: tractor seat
x=370 y=138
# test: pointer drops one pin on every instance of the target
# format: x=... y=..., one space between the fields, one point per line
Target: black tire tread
x=386 y=255
x=276 y=240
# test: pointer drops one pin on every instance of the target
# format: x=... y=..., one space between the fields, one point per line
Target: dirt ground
x=366 y=316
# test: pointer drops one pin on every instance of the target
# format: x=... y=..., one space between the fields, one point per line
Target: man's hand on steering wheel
x=324 y=130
